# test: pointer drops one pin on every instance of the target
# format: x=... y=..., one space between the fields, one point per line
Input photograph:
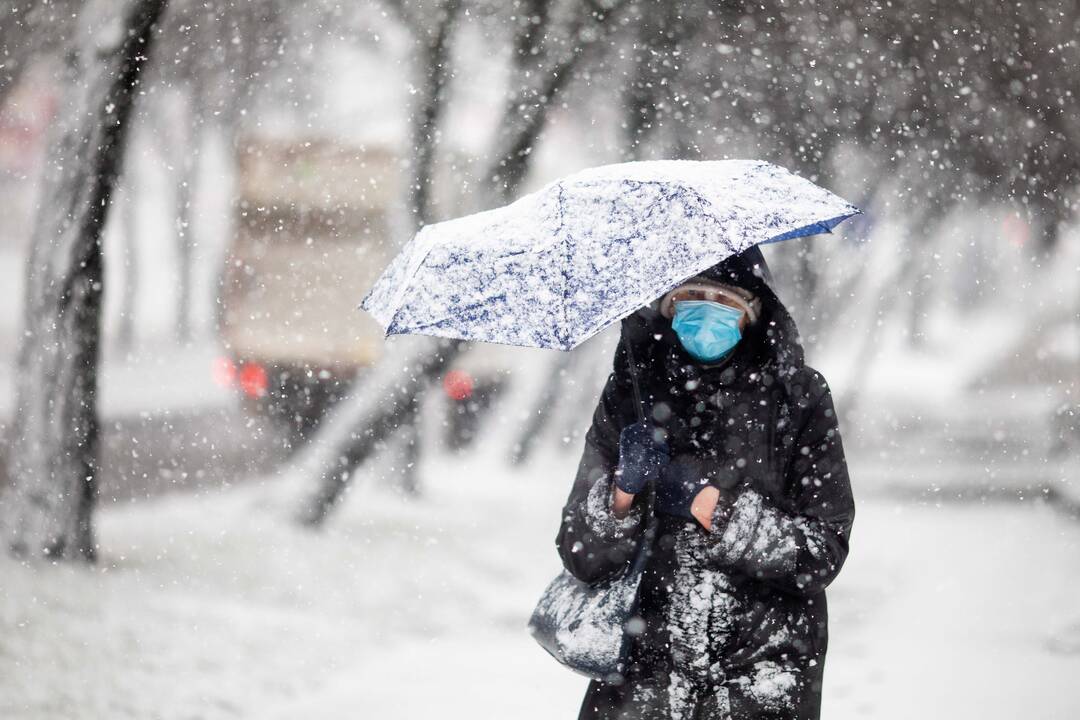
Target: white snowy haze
x=293 y=517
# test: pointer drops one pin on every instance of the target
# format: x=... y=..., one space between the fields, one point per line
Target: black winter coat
x=735 y=620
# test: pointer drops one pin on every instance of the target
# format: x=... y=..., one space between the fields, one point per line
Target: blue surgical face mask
x=707 y=330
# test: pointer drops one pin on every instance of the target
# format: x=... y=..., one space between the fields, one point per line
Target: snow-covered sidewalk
x=217 y=606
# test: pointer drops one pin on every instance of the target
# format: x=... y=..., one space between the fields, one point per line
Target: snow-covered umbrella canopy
x=557 y=266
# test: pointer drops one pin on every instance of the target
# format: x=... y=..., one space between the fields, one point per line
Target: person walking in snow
x=752 y=498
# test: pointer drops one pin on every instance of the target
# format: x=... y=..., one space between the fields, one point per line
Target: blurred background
x=294 y=517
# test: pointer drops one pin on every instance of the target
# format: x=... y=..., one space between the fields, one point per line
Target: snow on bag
x=585 y=626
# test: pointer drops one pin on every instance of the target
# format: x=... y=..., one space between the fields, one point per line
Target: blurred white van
x=312 y=233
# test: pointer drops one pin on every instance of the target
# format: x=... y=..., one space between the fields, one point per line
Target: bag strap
x=632 y=362
x=650 y=496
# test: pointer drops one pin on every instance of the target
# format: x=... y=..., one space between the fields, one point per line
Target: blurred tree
x=549 y=43
x=53 y=463
x=950 y=105
x=30 y=29
x=220 y=60
x=544 y=61
x=431 y=29
x=125 y=331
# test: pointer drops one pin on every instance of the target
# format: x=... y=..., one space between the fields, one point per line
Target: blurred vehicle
x=312 y=233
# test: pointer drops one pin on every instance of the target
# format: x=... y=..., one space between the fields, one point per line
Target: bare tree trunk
x=125 y=332
x=54 y=458
x=905 y=277
x=185 y=243
x=382 y=420
x=920 y=287
x=650 y=95
x=434 y=50
x=506 y=176
x=379 y=403
x=544 y=405
x=526 y=111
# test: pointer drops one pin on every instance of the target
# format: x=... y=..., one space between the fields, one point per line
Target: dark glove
x=680 y=482
x=726 y=473
x=641 y=457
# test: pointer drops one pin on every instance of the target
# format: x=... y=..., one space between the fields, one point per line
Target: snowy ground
x=216 y=606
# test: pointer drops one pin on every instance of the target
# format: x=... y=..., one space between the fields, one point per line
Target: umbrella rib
x=471 y=306
x=410 y=272
x=560 y=331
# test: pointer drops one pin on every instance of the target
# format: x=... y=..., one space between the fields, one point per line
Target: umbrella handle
x=634 y=378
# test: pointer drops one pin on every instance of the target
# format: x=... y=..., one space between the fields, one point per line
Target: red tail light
x=253 y=380
x=458 y=385
x=224 y=372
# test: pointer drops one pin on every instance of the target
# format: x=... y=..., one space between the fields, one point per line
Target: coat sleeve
x=592 y=542
x=802 y=550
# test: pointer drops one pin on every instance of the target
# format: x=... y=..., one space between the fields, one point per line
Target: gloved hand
x=641 y=457
x=680 y=482
x=726 y=474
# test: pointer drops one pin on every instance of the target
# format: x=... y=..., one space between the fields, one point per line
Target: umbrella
x=557 y=266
